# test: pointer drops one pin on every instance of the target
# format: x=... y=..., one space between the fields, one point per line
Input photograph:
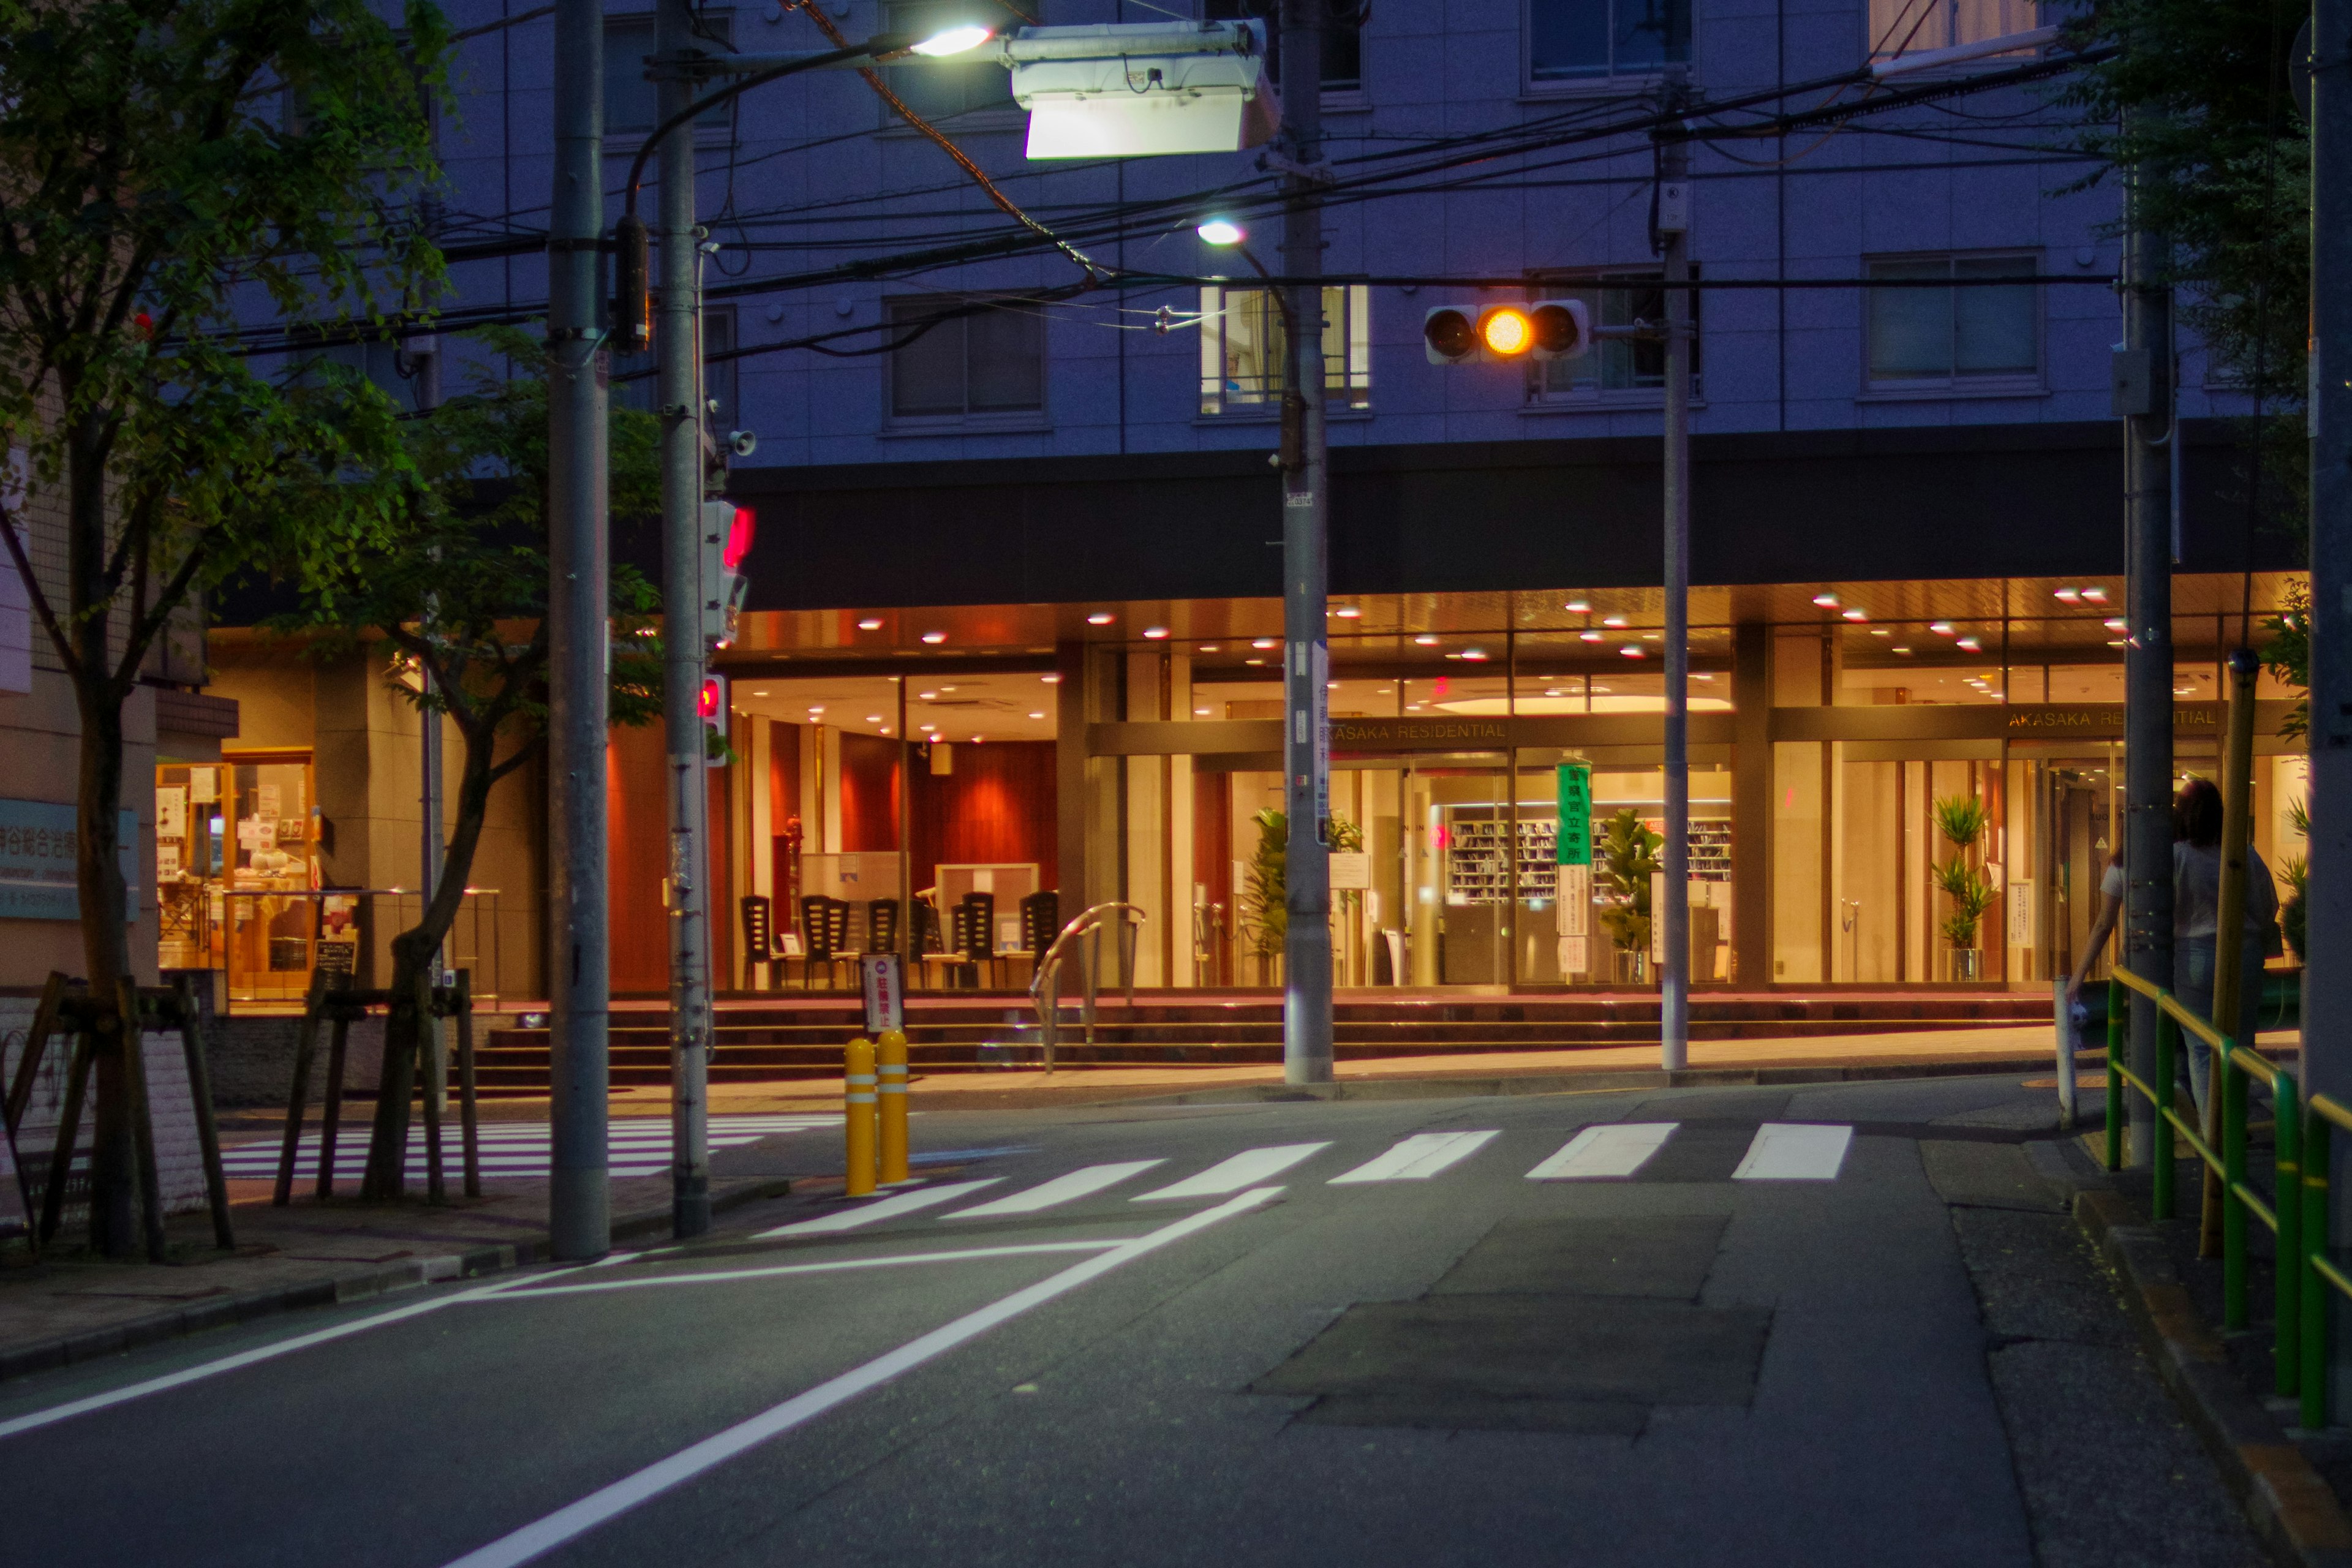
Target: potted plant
x=1962 y=820
x=1265 y=909
x=2294 y=871
x=1629 y=857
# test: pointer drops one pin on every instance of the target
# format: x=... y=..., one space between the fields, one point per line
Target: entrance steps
x=769 y=1038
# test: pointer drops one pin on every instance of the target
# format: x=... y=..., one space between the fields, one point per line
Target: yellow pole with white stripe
x=890 y=1057
x=857 y=1123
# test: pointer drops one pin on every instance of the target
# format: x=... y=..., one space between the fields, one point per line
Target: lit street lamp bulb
x=953 y=41
x=1221 y=231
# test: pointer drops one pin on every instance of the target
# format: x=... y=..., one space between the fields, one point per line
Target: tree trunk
x=412 y=978
x=98 y=869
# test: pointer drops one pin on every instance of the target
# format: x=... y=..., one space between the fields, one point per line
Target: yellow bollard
x=857 y=1081
x=890 y=1055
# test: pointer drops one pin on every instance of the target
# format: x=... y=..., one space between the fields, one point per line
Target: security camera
x=742 y=443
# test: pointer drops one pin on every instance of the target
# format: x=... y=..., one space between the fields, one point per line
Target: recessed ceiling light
x=1588 y=637
x=1100 y=619
x=1331 y=685
x=976 y=740
x=1854 y=615
x=1155 y=633
x=885 y=728
x=1578 y=608
x=1252 y=661
x=1208 y=648
x=927 y=696
x=1555 y=691
x=870 y=625
x=874 y=717
x=1055 y=679
x=927 y=726
x=2095 y=595
x=1347 y=612
x=1880 y=632
x=1266 y=642
x=1941 y=628
x=1425 y=640
x=1826 y=601
x=1971 y=645
x=759 y=694
x=2067 y=595
x=1036 y=715
x=1632 y=651
x=935 y=636
x=1197 y=714
x=2117 y=625
x=1702 y=677
x=1612 y=620
x=1413 y=707
x=1902 y=650
x=1476 y=654
x=816 y=708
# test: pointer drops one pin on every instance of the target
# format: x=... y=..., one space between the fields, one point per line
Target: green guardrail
x=2297 y=1210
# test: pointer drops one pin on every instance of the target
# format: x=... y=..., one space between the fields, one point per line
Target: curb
x=70 y=1350
x=2292 y=1508
x=1597 y=1081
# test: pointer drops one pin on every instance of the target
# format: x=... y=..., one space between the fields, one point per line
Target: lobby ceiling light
x=1826 y=601
x=1051 y=679
x=1578 y=608
x=935 y=636
x=1252 y=661
x=1881 y=632
x=927 y=696
x=1475 y=655
x=976 y=740
x=2095 y=595
x=1155 y=633
x=1588 y=637
x=1263 y=643
x=1425 y=640
x=870 y=625
x=1941 y=628
x=2067 y=595
x=816 y=708
x=1904 y=650
x=1208 y=648
x=1197 y=714
x=1612 y=620
x=1555 y=691
x=1100 y=619
x=759 y=694
x=874 y=717
x=1630 y=650
x=2117 y=625
x=1041 y=715
x=1347 y=612
x=1855 y=616
x=927 y=727
x=1971 y=645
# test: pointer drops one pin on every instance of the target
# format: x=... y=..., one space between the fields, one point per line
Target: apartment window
x=940 y=90
x=982 y=364
x=1343 y=37
x=1940 y=334
x=642 y=391
x=1909 y=26
x=629 y=98
x=1635 y=368
x=1583 y=40
x=1243 y=349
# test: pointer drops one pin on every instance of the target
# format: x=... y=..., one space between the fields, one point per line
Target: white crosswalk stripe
x=1598 y=1153
x=1230 y=1176
x=884 y=1208
x=512 y=1151
x=1060 y=1190
x=1418 y=1158
x=1794 y=1151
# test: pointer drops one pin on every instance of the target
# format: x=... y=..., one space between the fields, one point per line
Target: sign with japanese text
x=1575 y=838
x=37 y=839
x=885 y=992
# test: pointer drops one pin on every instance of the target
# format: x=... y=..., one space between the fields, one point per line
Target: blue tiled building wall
x=783 y=191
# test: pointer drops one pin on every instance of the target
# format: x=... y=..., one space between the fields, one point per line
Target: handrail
x=1045 y=988
x=2168 y=1003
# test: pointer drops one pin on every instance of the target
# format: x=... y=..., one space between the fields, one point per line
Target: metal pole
x=425 y=370
x=676 y=341
x=1674 y=973
x=2328 y=903
x=579 y=974
x=2146 y=403
x=1307 y=652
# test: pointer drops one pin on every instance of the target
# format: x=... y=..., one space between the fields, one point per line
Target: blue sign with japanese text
x=37 y=862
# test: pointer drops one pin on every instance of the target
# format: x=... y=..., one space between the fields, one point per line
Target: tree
x=2196 y=108
x=1629 y=858
x=457 y=587
x=153 y=178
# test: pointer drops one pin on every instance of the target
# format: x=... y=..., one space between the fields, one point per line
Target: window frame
x=1955 y=382
x=1611 y=81
x=1946 y=36
x=969 y=419
x=1603 y=281
x=1351 y=398
x=717 y=125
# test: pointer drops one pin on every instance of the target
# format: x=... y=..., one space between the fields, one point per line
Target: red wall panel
x=636 y=816
x=997 y=806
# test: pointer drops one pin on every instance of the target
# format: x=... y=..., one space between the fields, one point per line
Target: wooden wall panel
x=997 y=807
x=869 y=792
x=636 y=816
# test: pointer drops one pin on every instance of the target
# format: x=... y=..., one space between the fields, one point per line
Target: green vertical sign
x=1575 y=839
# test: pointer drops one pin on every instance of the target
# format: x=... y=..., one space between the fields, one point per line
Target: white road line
x=570 y=1522
x=1418 y=1158
x=835 y=1267
x=888 y=1208
x=1794 y=1151
x=1060 y=1190
x=56 y=1413
x=1232 y=1176
x=1613 y=1149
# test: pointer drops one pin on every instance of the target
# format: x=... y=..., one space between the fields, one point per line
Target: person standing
x=2196 y=921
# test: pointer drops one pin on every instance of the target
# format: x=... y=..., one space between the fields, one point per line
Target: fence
x=2296 y=1212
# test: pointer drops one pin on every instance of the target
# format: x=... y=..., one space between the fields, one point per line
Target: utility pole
x=579 y=971
x=2327 y=902
x=2143 y=397
x=1306 y=514
x=424 y=368
x=1673 y=224
x=675 y=334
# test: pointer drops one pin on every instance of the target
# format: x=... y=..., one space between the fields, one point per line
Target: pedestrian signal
x=1555 y=329
x=727 y=531
x=712 y=706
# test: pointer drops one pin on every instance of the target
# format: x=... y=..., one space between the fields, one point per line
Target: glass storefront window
x=271 y=923
x=191 y=845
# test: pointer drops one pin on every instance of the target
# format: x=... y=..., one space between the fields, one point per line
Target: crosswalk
x=1778 y=1151
x=515 y=1151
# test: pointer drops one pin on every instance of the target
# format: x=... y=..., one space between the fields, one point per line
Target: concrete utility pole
x=424 y=367
x=1673 y=229
x=579 y=974
x=2143 y=396
x=682 y=590
x=2327 y=904
x=1306 y=512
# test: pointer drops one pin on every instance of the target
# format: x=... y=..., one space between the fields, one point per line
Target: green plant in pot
x=1265 y=909
x=1962 y=819
x=2294 y=871
x=1629 y=857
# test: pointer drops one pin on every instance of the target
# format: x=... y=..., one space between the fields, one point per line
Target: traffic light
x=725 y=538
x=712 y=705
x=1555 y=329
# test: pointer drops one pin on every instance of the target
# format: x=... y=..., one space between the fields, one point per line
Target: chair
x=758 y=940
x=881 y=926
x=924 y=944
x=1040 y=922
x=824 y=936
x=978 y=941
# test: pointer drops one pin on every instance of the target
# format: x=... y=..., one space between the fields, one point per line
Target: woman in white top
x=2197 y=918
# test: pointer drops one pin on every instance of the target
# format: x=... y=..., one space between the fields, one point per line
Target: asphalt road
x=1351 y=1333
